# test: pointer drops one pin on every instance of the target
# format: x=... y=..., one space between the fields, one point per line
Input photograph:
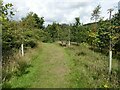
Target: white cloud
x=62 y=11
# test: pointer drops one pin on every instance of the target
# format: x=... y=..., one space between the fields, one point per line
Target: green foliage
x=32 y=21
x=103 y=35
x=106 y=30
x=21 y=67
x=53 y=32
x=39 y=21
x=29 y=21
x=79 y=33
x=14 y=33
x=44 y=36
x=82 y=34
x=116 y=31
x=30 y=30
x=77 y=21
x=64 y=33
x=4 y=11
x=89 y=69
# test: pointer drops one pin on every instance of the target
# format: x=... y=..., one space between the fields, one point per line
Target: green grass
x=48 y=69
x=53 y=66
x=90 y=69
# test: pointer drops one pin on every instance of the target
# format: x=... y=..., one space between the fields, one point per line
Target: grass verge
x=89 y=69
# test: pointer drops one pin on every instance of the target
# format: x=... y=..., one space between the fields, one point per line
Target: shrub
x=32 y=43
x=22 y=65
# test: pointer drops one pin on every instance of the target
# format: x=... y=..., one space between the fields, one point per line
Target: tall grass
x=18 y=65
x=89 y=69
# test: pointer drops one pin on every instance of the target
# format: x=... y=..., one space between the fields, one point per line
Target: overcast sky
x=62 y=11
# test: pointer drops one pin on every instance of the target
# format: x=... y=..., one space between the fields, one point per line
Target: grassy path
x=53 y=66
x=49 y=69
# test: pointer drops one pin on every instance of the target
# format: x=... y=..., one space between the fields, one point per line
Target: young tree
x=27 y=22
x=75 y=30
x=107 y=35
x=52 y=30
x=96 y=13
x=77 y=21
x=95 y=16
x=62 y=33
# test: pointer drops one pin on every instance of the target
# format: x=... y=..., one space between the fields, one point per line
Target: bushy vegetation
x=29 y=31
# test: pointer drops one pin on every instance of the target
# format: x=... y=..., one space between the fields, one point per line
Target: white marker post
x=22 y=49
x=110 y=61
x=69 y=38
x=110 y=48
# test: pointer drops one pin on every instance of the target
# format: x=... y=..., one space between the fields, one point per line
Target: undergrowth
x=89 y=69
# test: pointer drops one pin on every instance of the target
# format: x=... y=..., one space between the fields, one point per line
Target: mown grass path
x=49 y=69
x=53 y=66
